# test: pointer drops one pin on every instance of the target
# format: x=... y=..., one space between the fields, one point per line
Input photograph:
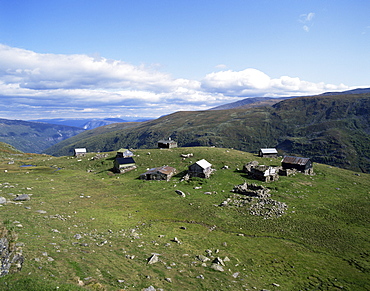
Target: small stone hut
x=303 y=165
x=201 y=169
x=124 y=153
x=161 y=173
x=268 y=152
x=261 y=172
x=167 y=144
x=80 y=152
x=123 y=165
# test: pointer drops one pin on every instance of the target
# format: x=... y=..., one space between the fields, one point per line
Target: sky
x=148 y=58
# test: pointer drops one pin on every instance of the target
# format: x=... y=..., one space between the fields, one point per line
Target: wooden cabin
x=123 y=165
x=303 y=165
x=201 y=169
x=124 y=153
x=161 y=173
x=167 y=144
x=268 y=152
x=79 y=152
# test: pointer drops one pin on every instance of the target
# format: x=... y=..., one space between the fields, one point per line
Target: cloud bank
x=34 y=85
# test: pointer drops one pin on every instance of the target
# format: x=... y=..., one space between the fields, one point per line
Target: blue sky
x=87 y=58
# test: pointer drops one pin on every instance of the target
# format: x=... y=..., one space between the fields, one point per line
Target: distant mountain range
x=88 y=123
x=331 y=129
x=34 y=137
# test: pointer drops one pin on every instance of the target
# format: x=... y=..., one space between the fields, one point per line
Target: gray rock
x=217 y=267
x=182 y=194
x=22 y=197
x=2 y=200
x=77 y=236
x=218 y=261
x=203 y=258
x=153 y=259
x=150 y=288
x=235 y=275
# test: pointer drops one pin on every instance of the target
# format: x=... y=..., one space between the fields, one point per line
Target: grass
x=321 y=243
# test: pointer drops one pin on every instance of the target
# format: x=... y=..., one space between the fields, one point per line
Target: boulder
x=182 y=194
x=153 y=259
x=22 y=197
x=2 y=200
x=217 y=267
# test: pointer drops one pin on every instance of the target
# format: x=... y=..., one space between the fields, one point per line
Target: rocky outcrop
x=11 y=257
x=257 y=199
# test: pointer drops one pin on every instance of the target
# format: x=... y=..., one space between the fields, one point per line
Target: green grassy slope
x=321 y=243
x=329 y=129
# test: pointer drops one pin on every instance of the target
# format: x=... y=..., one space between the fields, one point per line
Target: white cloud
x=36 y=85
x=306 y=19
x=252 y=82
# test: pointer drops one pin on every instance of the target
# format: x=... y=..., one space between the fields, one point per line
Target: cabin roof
x=166 y=141
x=203 y=164
x=295 y=160
x=166 y=170
x=80 y=150
x=269 y=151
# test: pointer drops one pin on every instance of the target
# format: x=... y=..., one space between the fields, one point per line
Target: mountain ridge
x=331 y=129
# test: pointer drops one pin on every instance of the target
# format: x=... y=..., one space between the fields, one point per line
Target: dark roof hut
x=303 y=165
x=122 y=165
x=161 y=173
x=167 y=144
x=268 y=152
x=124 y=153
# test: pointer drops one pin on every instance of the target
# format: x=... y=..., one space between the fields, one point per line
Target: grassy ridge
x=329 y=129
x=321 y=243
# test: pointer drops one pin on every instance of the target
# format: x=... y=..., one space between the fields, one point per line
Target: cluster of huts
x=124 y=162
x=289 y=166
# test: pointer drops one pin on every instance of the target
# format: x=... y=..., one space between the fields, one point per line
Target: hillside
x=329 y=129
x=250 y=102
x=34 y=137
x=85 y=228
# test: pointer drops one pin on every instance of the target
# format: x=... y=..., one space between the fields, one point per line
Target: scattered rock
x=235 y=275
x=150 y=288
x=203 y=258
x=153 y=259
x=169 y=280
x=176 y=240
x=22 y=197
x=217 y=267
x=2 y=200
x=218 y=261
x=182 y=194
x=77 y=236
